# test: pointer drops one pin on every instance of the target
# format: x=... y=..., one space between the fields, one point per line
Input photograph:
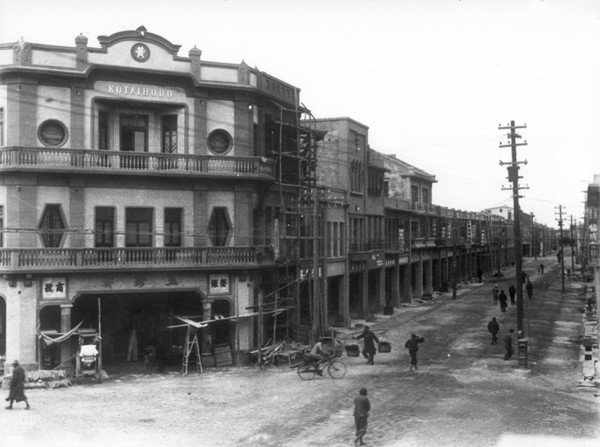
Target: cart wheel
x=336 y=369
x=306 y=371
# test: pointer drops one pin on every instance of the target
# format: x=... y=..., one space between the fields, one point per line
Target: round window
x=52 y=133
x=219 y=141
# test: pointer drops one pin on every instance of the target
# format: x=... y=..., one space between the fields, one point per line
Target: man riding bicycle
x=318 y=353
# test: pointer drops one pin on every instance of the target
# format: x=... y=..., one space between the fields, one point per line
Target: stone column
x=437 y=271
x=21 y=323
x=363 y=311
x=406 y=283
x=428 y=266
x=381 y=288
x=396 y=285
x=418 y=292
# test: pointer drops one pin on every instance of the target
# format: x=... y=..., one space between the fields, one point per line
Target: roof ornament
x=142 y=30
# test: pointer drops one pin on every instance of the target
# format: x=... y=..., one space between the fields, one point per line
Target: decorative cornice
x=139 y=35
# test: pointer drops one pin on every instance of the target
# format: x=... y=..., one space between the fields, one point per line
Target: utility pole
x=562 y=252
x=513 y=176
x=572 y=247
x=533 y=248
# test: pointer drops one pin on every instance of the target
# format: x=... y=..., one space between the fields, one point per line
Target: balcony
x=422 y=208
x=116 y=162
x=70 y=260
x=367 y=246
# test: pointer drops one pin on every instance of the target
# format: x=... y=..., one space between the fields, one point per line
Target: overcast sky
x=432 y=79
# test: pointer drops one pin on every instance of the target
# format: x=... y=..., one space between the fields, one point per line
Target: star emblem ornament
x=140 y=52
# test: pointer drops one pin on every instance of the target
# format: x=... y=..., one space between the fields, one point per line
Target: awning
x=200 y=324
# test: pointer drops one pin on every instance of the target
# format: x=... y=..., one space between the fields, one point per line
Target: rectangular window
x=1 y=226
x=425 y=194
x=134 y=133
x=169 y=134
x=415 y=229
x=1 y=126
x=336 y=239
x=138 y=227
x=104 y=232
x=173 y=227
x=102 y=130
x=414 y=194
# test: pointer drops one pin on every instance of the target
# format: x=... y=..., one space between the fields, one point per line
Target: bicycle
x=309 y=368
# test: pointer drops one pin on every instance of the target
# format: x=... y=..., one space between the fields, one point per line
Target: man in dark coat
x=503 y=299
x=494 y=328
x=369 y=349
x=413 y=346
x=508 y=345
x=17 y=387
x=362 y=406
x=529 y=289
x=512 y=291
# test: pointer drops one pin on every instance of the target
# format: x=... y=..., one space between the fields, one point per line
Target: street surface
x=464 y=392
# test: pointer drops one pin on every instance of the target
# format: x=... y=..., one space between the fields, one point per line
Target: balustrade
x=60 y=259
x=128 y=162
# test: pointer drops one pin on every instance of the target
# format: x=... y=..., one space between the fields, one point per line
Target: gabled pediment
x=138 y=35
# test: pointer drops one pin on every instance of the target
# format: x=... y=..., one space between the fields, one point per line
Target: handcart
x=87 y=359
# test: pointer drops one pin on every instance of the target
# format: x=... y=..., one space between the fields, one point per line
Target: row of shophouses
x=138 y=186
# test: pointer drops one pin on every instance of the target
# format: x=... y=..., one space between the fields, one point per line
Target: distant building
x=505 y=212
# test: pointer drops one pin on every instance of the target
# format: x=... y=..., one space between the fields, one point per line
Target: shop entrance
x=149 y=315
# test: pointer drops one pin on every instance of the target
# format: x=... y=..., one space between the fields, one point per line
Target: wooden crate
x=222 y=354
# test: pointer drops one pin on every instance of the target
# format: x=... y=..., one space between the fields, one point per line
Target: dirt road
x=463 y=394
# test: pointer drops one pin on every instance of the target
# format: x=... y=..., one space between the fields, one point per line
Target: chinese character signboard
x=218 y=284
x=54 y=288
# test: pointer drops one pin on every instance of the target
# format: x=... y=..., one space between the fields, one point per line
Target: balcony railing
x=61 y=160
x=422 y=208
x=33 y=260
x=367 y=246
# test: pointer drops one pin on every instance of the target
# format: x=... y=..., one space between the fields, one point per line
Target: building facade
x=138 y=185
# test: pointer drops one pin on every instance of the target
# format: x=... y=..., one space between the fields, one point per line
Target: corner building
x=143 y=184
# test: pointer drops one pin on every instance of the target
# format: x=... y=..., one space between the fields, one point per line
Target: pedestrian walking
x=529 y=289
x=541 y=269
x=503 y=300
x=508 y=345
x=369 y=349
x=17 y=387
x=362 y=406
x=512 y=292
x=495 y=294
x=479 y=275
x=412 y=345
x=494 y=328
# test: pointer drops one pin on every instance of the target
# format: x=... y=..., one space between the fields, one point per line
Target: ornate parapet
x=22 y=53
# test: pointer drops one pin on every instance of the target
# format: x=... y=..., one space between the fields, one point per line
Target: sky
x=432 y=79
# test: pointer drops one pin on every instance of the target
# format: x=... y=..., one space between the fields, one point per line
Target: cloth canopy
x=48 y=340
